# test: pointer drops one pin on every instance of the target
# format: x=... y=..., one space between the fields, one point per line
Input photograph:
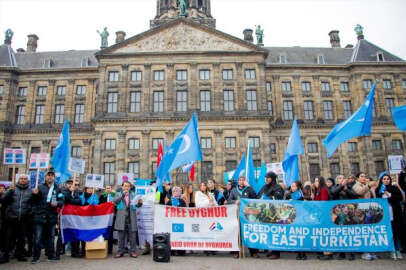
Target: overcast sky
x=72 y=24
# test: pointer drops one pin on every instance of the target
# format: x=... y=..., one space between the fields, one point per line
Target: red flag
x=160 y=154
x=192 y=173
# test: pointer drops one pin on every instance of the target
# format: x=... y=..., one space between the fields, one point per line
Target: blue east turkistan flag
x=246 y=168
x=358 y=124
x=260 y=180
x=290 y=163
x=399 y=117
x=60 y=159
x=183 y=150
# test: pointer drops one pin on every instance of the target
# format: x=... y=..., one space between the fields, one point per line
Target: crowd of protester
x=29 y=218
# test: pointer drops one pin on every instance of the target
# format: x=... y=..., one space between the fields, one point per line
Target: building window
x=1 y=89
x=268 y=86
x=181 y=75
x=79 y=113
x=269 y=107
x=308 y=110
x=109 y=173
x=39 y=114
x=352 y=147
x=390 y=103
x=204 y=74
x=227 y=74
x=114 y=76
x=159 y=75
x=158 y=101
x=396 y=145
x=136 y=75
x=35 y=150
x=205 y=101
x=286 y=87
x=325 y=87
x=306 y=86
x=273 y=148
x=155 y=143
x=135 y=101
x=282 y=59
x=320 y=60
x=112 y=101
x=59 y=113
x=312 y=148
x=230 y=142
x=367 y=84
x=81 y=90
x=181 y=101
x=254 y=142
x=404 y=84
x=153 y=169
x=134 y=168
x=355 y=168
x=228 y=100
x=230 y=165
x=376 y=144
x=251 y=100
x=347 y=108
x=61 y=90
x=207 y=170
x=76 y=151
x=20 y=114
x=387 y=84
x=379 y=57
x=344 y=86
x=250 y=74
x=133 y=144
x=334 y=170
x=328 y=110
x=110 y=144
x=22 y=91
x=314 y=170
x=379 y=166
x=205 y=142
x=42 y=90
x=288 y=110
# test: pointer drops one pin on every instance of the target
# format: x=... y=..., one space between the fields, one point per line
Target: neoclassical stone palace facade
x=124 y=99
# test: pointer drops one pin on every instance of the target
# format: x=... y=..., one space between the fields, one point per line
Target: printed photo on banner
x=14 y=156
x=39 y=161
x=125 y=177
x=363 y=225
x=76 y=165
x=396 y=164
x=94 y=181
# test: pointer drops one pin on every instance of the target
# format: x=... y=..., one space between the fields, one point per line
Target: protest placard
x=76 y=165
x=14 y=156
x=396 y=164
x=125 y=177
x=94 y=181
x=39 y=161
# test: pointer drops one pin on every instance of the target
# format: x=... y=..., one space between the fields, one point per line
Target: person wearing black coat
x=243 y=190
x=47 y=198
x=211 y=186
x=271 y=191
x=18 y=199
x=391 y=192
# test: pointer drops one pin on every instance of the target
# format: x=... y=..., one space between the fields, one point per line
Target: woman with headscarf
x=394 y=196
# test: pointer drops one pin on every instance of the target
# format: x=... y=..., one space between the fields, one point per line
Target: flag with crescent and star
x=358 y=124
x=185 y=149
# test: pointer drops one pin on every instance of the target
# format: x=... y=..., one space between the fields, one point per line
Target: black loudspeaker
x=161 y=247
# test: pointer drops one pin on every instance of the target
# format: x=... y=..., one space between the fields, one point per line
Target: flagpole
x=246 y=162
x=36 y=178
x=13 y=177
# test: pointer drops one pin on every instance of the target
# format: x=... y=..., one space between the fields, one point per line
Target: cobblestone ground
x=199 y=261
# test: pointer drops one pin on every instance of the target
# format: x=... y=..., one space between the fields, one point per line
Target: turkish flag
x=160 y=154
x=192 y=173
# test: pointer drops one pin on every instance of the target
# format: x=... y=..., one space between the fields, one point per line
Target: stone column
x=170 y=91
x=240 y=96
x=70 y=101
x=242 y=140
x=219 y=162
x=100 y=93
x=193 y=89
x=217 y=90
x=144 y=154
x=123 y=90
x=121 y=151
x=147 y=91
x=97 y=156
x=50 y=103
x=86 y=155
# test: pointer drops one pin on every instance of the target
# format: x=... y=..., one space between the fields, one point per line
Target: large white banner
x=212 y=228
